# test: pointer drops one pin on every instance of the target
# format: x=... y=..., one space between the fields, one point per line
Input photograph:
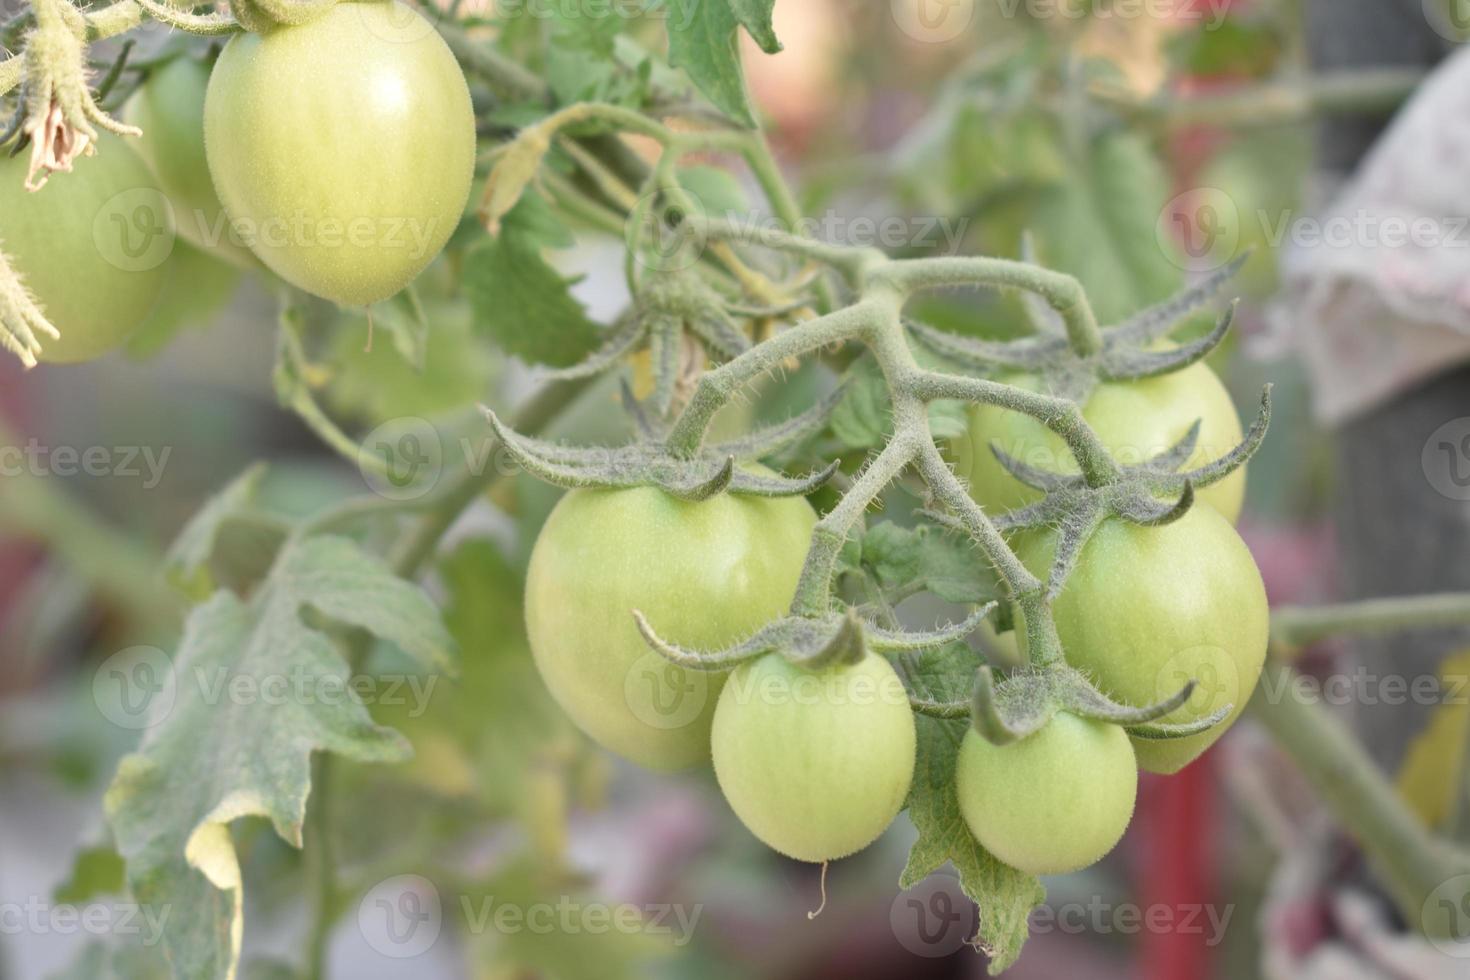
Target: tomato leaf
x=704 y=41
x=215 y=752
x=1100 y=226
x=862 y=420
x=1005 y=896
x=520 y=300
x=196 y=563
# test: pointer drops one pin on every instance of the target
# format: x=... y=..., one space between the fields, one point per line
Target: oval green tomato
x=815 y=763
x=169 y=109
x=705 y=574
x=1054 y=802
x=1149 y=609
x=343 y=148
x=92 y=246
x=1136 y=420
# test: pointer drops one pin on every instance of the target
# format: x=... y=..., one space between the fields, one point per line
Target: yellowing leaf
x=1432 y=768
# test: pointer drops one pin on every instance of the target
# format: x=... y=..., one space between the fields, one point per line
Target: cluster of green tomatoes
x=337 y=155
x=817 y=764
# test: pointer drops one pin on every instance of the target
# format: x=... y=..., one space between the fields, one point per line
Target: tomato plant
x=815 y=763
x=762 y=556
x=1150 y=608
x=342 y=148
x=1056 y=801
x=92 y=247
x=713 y=571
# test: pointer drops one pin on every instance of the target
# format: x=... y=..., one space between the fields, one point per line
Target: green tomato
x=343 y=148
x=169 y=109
x=815 y=763
x=92 y=246
x=705 y=574
x=1054 y=802
x=1149 y=609
x=1136 y=420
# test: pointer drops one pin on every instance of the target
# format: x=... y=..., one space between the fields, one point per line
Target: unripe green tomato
x=1054 y=802
x=1136 y=420
x=1149 y=609
x=92 y=246
x=169 y=109
x=815 y=763
x=343 y=148
x=706 y=575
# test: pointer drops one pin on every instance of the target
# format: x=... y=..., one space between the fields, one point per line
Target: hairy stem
x=1061 y=291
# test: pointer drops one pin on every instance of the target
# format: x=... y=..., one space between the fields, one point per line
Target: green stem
x=1378 y=90
x=1295 y=626
x=1411 y=861
x=778 y=192
x=1061 y=291
x=321 y=869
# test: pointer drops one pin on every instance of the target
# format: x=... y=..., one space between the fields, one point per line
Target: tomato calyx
x=1129 y=351
x=258 y=16
x=1022 y=703
x=60 y=114
x=813 y=643
x=21 y=317
x=648 y=462
x=673 y=311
